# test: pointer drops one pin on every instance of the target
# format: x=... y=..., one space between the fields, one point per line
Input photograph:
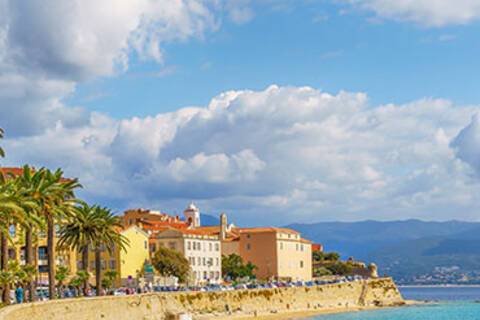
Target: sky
x=273 y=111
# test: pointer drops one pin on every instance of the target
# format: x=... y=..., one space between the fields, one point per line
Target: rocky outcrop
x=374 y=292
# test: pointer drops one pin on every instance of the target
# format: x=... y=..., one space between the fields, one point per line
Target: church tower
x=192 y=215
x=223 y=226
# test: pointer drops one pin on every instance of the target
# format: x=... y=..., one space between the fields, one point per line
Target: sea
x=448 y=303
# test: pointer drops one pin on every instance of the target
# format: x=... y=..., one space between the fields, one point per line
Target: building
x=144 y=218
x=133 y=259
x=278 y=253
x=201 y=249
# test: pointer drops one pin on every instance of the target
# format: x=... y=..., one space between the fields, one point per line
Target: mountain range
x=407 y=250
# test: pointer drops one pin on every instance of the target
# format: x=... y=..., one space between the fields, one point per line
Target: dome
x=192 y=207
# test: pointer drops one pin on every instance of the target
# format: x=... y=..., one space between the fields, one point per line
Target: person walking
x=19 y=294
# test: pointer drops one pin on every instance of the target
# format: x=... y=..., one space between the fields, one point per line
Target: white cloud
x=47 y=47
x=293 y=153
x=435 y=13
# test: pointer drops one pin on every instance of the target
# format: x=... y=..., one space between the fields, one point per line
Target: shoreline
x=307 y=313
x=439 y=286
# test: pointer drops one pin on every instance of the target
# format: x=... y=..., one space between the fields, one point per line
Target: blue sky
x=274 y=111
x=314 y=44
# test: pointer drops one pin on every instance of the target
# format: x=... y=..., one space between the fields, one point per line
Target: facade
x=133 y=259
x=200 y=249
x=277 y=253
x=64 y=257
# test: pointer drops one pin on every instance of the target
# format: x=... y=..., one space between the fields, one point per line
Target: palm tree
x=109 y=238
x=30 y=183
x=61 y=275
x=80 y=232
x=11 y=212
x=55 y=198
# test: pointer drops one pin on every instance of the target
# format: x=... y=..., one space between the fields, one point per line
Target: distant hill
x=403 y=249
x=208 y=220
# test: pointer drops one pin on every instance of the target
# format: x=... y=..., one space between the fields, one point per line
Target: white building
x=201 y=249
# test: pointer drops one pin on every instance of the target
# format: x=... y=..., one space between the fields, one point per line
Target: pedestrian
x=19 y=294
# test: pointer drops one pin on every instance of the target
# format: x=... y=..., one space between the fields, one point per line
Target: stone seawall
x=375 y=292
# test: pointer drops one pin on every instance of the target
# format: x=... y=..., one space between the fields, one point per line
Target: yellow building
x=133 y=259
x=64 y=257
x=126 y=263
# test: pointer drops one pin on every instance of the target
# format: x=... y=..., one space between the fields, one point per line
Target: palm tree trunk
x=29 y=261
x=51 y=256
x=98 y=270
x=4 y=267
x=85 y=268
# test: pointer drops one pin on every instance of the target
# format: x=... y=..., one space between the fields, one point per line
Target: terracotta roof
x=12 y=171
x=305 y=241
x=182 y=231
x=271 y=229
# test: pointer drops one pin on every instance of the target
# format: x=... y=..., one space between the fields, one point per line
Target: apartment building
x=278 y=253
x=199 y=248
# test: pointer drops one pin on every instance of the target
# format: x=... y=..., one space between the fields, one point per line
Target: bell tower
x=192 y=215
x=223 y=226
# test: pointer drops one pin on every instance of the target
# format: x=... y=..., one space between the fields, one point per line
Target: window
x=113 y=264
x=248 y=246
x=301 y=247
x=192 y=261
x=172 y=245
x=189 y=245
x=296 y=246
x=301 y=264
x=281 y=245
x=217 y=262
x=204 y=261
x=153 y=247
x=211 y=275
x=248 y=236
x=217 y=247
x=205 y=275
x=145 y=244
x=42 y=253
x=210 y=246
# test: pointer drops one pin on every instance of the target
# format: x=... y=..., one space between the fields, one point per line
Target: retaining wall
x=159 y=306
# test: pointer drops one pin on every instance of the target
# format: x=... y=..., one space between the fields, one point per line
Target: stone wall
x=374 y=292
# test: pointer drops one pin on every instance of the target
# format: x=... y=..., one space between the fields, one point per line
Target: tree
x=79 y=280
x=80 y=232
x=11 y=212
x=234 y=268
x=340 y=268
x=55 y=197
x=325 y=256
x=30 y=184
x=108 y=238
x=109 y=279
x=171 y=263
x=60 y=276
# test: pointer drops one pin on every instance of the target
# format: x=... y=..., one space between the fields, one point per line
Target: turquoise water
x=453 y=304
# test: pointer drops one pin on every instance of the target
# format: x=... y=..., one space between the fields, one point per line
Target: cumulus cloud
x=48 y=47
x=275 y=152
x=434 y=13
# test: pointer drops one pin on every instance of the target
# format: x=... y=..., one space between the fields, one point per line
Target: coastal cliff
x=202 y=305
